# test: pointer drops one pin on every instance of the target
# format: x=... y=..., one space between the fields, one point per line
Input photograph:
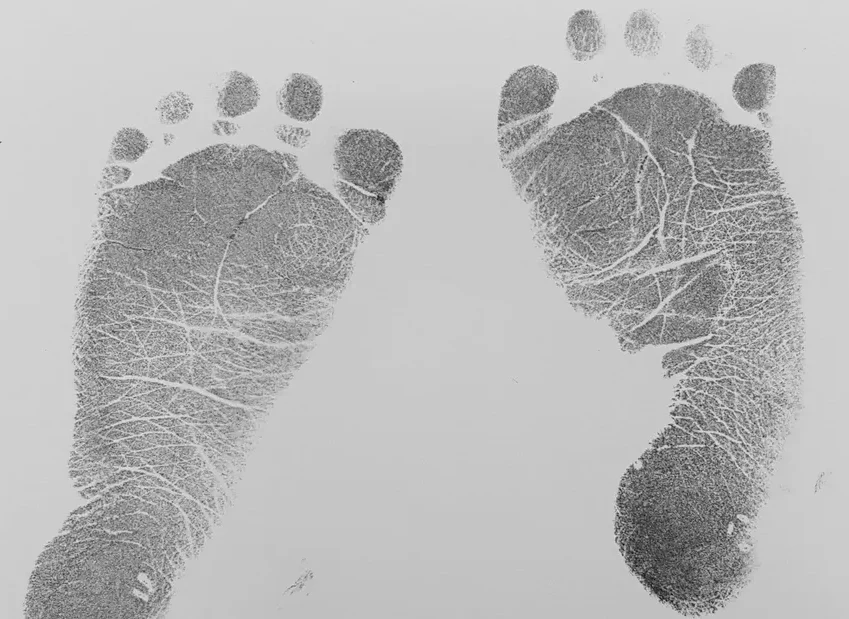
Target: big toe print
x=203 y=292
x=661 y=217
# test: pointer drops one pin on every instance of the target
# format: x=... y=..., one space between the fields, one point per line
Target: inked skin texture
x=585 y=35
x=129 y=145
x=301 y=97
x=699 y=48
x=174 y=107
x=202 y=294
x=673 y=225
x=642 y=34
x=754 y=86
x=237 y=95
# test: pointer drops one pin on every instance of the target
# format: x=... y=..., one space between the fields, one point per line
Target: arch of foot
x=300 y=98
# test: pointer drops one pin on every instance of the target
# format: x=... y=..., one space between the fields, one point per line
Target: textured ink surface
x=301 y=582
x=128 y=145
x=657 y=215
x=113 y=175
x=584 y=35
x=301 y=97
x=174 y=107
x=699 y=48
x=528 y=92
x=224 y=127
x=754 y=86
x=367 y=163
x=642 y=34
x=201 y=296
x=237 y=95
x=296 y=137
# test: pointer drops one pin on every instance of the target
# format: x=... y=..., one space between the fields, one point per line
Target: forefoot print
x=200 y=297
x=658 y=215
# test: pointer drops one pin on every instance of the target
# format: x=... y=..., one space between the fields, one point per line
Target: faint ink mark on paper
x=303 y=580
x=821 y=481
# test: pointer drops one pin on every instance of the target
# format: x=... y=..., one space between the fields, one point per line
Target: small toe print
x=224 y=127
x=301 y=97
x=129 y=144
x=296 y=137
x=238 y=95
x=642 y=34
x=754 y=86
x=699 y=48
x=369 y=159
x=174 y=107
x=113 y=175
x=585 y=35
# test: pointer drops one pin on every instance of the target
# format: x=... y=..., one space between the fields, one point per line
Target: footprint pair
x=205 y=289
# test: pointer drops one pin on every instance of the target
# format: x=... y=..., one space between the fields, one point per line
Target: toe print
x=585 y=35
x=112 y=176
x=129 y=145
x=642 y=34
x=224 y=127
x=300 y=99
x=203 y=293
x=754 y=87
x=673 y=225
x=175 y=107
x=238 y=95
x=297 y=137
x=699 y=48
x=367 y=164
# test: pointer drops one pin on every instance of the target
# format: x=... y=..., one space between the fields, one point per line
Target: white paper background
x=454 y=444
